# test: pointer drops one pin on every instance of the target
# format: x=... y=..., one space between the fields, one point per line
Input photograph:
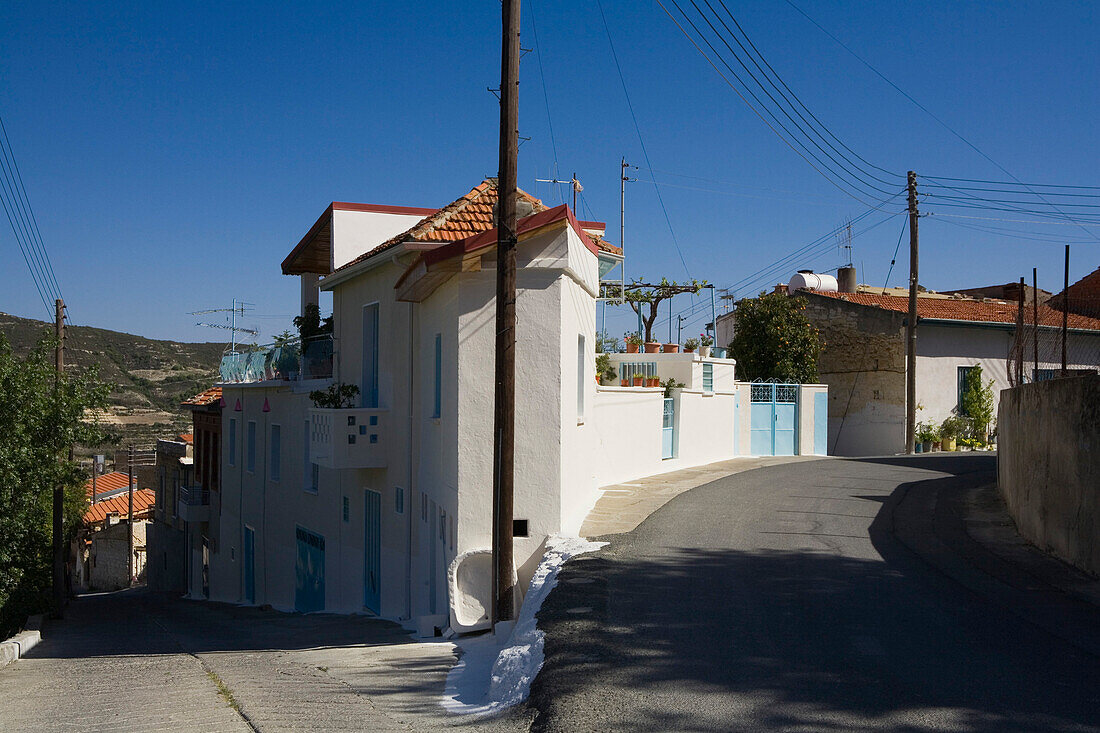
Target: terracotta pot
x=688 y=351
x=670 y=348
x=632 y=348
x=626 y=382
x=638 y=381
x=652 y=347
x=937 y=445
x=653 y=382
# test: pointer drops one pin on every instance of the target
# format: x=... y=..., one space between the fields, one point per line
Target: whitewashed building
x=365 y=508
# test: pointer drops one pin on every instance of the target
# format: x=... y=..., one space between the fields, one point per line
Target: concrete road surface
x=816 y=596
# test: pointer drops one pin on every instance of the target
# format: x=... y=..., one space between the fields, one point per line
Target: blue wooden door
x=372 y=550
x=309 y=571
x=668 y=429
x=774 y=419
x=821 y=423
x=786 y=419
x=249 y=565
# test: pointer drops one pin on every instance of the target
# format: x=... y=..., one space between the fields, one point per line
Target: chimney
x=846 y=278
x=780 y=288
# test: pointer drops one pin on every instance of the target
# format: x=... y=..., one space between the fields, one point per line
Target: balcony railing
x=291 y=361
x=194 y=504
x=348 y=438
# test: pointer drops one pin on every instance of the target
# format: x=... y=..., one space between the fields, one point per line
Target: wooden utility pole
x=1035 y=319
x=130 y=517
x=911 y=324
x=504 y=418
x=58 y=490
x=1065 y=314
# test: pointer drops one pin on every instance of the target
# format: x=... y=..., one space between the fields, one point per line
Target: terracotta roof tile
x=108 y=482
x=144 y=499
x=958 y=309
x=207 y=397
x=187 y=437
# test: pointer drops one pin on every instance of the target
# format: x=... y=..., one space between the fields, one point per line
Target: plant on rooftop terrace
x=604 y=370
x=336 y=397
x=671 y=384
x=774 y=340
x=645 y=298
x=42 y=416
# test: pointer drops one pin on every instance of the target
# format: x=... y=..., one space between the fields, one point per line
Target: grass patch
x=224 y=692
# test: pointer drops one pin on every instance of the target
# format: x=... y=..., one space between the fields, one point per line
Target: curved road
x=828 y=595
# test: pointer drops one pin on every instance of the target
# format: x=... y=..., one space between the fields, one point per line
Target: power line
x=994 y=218
x=638 y=130
x=1011 y=183
x=545 y=95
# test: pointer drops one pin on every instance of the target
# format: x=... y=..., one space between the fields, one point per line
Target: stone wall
x=863 y=363
x=1048 y=465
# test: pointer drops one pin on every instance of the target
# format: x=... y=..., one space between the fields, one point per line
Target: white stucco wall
x=356 y=232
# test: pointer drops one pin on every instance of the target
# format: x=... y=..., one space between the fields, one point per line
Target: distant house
x=103 y=543
x=172 y=473
x=864 y=364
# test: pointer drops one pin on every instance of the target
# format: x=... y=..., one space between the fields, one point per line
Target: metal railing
x=291 y=361
x=194 y=496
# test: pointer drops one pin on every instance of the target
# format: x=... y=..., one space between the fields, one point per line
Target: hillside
x=151 y=377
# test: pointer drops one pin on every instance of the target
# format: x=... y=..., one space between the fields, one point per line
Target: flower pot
x=653 y=382
x=949 y=444
x=718 y=352
x=927 y=446
x=652 y=347
x=638 y=381
x=670 y=348
x=937 y=445
x=704 y=351
x=625 y=382
x=688 y=351
x=918 y=447
x=631 y=348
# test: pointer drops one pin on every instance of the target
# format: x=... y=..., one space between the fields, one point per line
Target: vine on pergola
x=640 y=294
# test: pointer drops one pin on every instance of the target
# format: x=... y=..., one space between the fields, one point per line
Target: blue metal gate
x=372 y=546
x=668 y=429
x=309 y=571
x=774 y=419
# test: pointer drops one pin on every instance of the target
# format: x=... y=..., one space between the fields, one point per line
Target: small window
x=250 y=447
x=519 y=527
x=276 y=452
x=423 y=507
x=347 y=509
x=963 y=371
x=708 y=377
x=314 y=478
x=232 y=441
x=309 y=474
x=398 y=500
x=443 y=526
x=582 y=358
x=452 y=531
x=437 y=399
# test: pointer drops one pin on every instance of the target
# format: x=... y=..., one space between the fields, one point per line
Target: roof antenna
x=239 y=306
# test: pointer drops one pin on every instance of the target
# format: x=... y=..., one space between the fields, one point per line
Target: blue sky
x=175 y=153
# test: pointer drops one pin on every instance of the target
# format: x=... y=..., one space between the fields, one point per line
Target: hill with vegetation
x=150 y=377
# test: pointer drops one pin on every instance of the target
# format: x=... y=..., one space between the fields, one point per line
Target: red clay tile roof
x=187 y=437
x=144 y=499
x=956 y=309
x=107 y=483
x=466 y=216
x=208 y=397
x=1084 y=295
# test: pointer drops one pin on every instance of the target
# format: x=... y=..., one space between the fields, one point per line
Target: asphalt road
x=829 y=595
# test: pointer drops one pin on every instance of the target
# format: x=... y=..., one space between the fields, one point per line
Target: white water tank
x=809 y=280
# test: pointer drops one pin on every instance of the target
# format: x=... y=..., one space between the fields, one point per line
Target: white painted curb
x=18 y=645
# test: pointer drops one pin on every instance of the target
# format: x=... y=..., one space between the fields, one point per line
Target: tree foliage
x=41 y=418
x=645 y=299
x=773 y=339
x=977 y=401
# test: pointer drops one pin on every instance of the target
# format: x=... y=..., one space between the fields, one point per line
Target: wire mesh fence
x=1062 y=330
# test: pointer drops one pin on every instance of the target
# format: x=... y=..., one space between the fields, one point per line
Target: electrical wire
x=545 y=95
x=638 y=130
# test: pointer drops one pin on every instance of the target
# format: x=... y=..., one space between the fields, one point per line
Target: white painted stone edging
x=18 y=645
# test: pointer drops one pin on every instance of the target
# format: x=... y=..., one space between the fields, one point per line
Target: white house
x=365 y=508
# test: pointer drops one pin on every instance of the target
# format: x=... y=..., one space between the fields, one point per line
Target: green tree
x=977 y=402
x=773 y=339
x=646 y=298
x=42 y=416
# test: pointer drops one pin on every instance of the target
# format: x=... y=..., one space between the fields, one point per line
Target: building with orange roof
x=863 y=360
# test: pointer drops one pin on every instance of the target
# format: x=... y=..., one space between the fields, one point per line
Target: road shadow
x=801 y=640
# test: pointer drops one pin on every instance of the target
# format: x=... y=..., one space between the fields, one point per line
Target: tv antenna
x=844 y=241
x=238 y=307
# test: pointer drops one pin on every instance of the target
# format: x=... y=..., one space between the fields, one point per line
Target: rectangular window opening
x=232 y=441
x=582 y=358
x=519 y=527
x=437 y=394
x=276 y=452
x=398 y=500
x=708 y=377
x=250 y=447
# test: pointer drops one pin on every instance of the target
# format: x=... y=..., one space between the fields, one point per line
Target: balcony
x=348 y=438
x=194 y=504
x=289 y=361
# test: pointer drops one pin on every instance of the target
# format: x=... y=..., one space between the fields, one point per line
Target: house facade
x=364 y=502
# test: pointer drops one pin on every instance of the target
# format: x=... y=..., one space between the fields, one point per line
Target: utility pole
x=679 y=328
x=576 y=187
x=130 y=517
x=58 y=490
x=911 y=324
x=95 y=471
x=1065 y=314
x=504 y=418
x=1035 y=318
x=1019 y=338
x=670 y=320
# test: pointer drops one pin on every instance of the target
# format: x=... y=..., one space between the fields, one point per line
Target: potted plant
x=718 y=352
x=690 y=345
x=669 y=385
x=670 y=348
x=652 y=347
x=705 y=342
x=949 y=430
x=638 y=380
x=924 y=438
x=653 y=382
x=934 y=432
x=633 y=342
x=337 y=397
x=604 y=370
